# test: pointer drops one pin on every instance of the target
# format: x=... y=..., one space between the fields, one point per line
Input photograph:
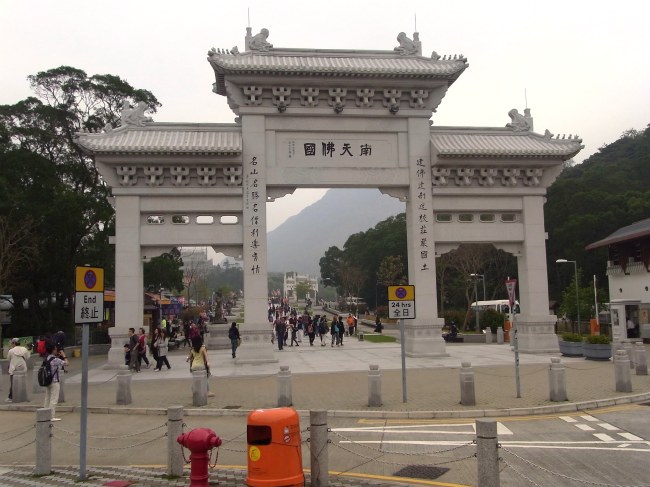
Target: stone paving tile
x=20 y=476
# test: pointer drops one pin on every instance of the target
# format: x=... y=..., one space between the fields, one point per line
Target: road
x=608 y=446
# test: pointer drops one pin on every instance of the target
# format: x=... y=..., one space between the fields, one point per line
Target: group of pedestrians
x=53 y=357
x=290 y=327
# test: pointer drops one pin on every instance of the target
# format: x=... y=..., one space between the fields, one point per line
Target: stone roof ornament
x=407 y=46
x=134 y=116
x=258 y=41
x=519 y=122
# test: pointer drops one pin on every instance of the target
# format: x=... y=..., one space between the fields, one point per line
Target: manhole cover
x=232 y=407
x=421 y=472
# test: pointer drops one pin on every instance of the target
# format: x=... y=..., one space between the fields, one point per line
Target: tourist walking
x=134 y=346
x=280 y=330
x=160 y=348
x=334 y=331
x=322 y=330
x=142 y=349
x=233 y=334
x=57 y=361
x=198 y=359
x=293 y=327
x=341 y=331
x=311 y=330
x=18 y=357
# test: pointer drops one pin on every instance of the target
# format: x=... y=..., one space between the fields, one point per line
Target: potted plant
x=571 y=344
x=597 y=347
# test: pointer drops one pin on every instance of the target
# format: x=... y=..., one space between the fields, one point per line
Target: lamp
x=575 y=269
x=482 y=278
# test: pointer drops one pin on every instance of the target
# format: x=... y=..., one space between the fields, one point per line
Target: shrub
x=492 y=319
x=382 y=311
x=455 y=315
x=571 y=337
x=598 y=339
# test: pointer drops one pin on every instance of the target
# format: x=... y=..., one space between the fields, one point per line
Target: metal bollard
x=318 y=448
x=43 y=465
x=641 y=359
x=199 y=388
x=360 y=336
x=487 y=455
x=557 y=380
x=285 y=398
x=123 y=395
x=374 y=386
x=622 y=372
x=175 y=460
x=19 y=389
x=467 y=389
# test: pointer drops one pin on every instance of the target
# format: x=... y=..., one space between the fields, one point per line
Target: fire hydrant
x=199 y=441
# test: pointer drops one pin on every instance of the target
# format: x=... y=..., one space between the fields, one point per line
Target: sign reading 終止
x=89 y=296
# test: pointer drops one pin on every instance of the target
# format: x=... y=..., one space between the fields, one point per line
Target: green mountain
x=589 y=201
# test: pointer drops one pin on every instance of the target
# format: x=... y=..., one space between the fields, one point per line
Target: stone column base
x=424 y=339
x=218 y=337
x=536 y=334
x=256 y=346
x=115 y=359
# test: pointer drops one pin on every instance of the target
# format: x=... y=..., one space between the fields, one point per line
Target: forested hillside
x=589 y=201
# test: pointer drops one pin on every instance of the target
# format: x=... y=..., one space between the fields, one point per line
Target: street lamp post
x=474 y=278
x=575 y=270
x=482 y=278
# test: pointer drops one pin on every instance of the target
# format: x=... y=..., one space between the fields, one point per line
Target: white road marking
x=630 y=437
x=623 y=445
x=570 y=447
x=604 y=437
x=608 y=426
x=584 y=427
x=587 y=417
x=465 y=429
x=568 y=419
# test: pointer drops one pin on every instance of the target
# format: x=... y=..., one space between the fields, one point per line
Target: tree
x=302 y=289
x=16 y=248
x=51 y=180
x=330 y=266
x=164 y=271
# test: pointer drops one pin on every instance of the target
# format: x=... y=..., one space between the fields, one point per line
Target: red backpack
x=40 y=348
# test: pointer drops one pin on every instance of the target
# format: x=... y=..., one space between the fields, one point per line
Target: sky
x=580 y=66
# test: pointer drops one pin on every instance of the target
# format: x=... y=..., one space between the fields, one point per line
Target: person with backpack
x=322 y=329
x=334 y=331
x=55 y=363
x=160 y=348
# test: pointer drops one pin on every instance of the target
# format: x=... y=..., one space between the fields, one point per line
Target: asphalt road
x=609 y=446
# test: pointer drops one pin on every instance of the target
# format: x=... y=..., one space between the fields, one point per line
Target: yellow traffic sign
x=401 y=293
x=89 y=279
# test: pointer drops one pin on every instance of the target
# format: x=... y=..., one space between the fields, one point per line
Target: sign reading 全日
x=401 y=302
x=89 y=296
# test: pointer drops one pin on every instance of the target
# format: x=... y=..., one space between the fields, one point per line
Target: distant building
x=628 y=271
x=292 y=279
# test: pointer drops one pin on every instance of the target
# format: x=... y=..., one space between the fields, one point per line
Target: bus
x=500 y=305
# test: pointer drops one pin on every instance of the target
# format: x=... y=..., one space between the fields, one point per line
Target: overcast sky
x=583 y=65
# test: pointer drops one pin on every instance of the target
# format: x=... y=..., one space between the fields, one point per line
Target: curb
x=463 y=414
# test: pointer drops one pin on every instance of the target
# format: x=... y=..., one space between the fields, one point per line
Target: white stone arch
x=330 y=118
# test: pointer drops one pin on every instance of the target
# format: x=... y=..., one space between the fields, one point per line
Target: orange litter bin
x=506 y=331
x=274 y=448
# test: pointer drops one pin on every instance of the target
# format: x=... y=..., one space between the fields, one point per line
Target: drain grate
x=421 y=472
x=232 y=407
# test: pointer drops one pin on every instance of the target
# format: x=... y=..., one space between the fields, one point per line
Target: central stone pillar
x=129 y=300
x=255 y=334
x=423 y=335
x=535 y=326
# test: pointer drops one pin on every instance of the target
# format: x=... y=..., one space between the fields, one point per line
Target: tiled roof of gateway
x=486 y=142
x=346 y=63
x=635 y=231
x=164 y=138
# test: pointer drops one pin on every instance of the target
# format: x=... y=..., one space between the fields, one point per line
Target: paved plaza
x=331 y=378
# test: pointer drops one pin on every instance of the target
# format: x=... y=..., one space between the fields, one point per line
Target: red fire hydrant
x=199 y=441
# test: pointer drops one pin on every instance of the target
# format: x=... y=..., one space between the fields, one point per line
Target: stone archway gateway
x=330 y=118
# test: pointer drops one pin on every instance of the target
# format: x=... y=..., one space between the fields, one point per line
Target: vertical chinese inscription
x=254 y=226
x=422 y=212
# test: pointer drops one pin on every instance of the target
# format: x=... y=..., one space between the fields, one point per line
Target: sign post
x=511 y=285
x=401 y=305
x=88 y=308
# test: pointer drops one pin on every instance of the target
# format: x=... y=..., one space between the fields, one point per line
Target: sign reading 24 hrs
x=401 y=302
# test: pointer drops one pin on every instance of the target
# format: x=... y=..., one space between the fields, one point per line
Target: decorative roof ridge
x=167 y=126
x=318 y=52
x=502 y=131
